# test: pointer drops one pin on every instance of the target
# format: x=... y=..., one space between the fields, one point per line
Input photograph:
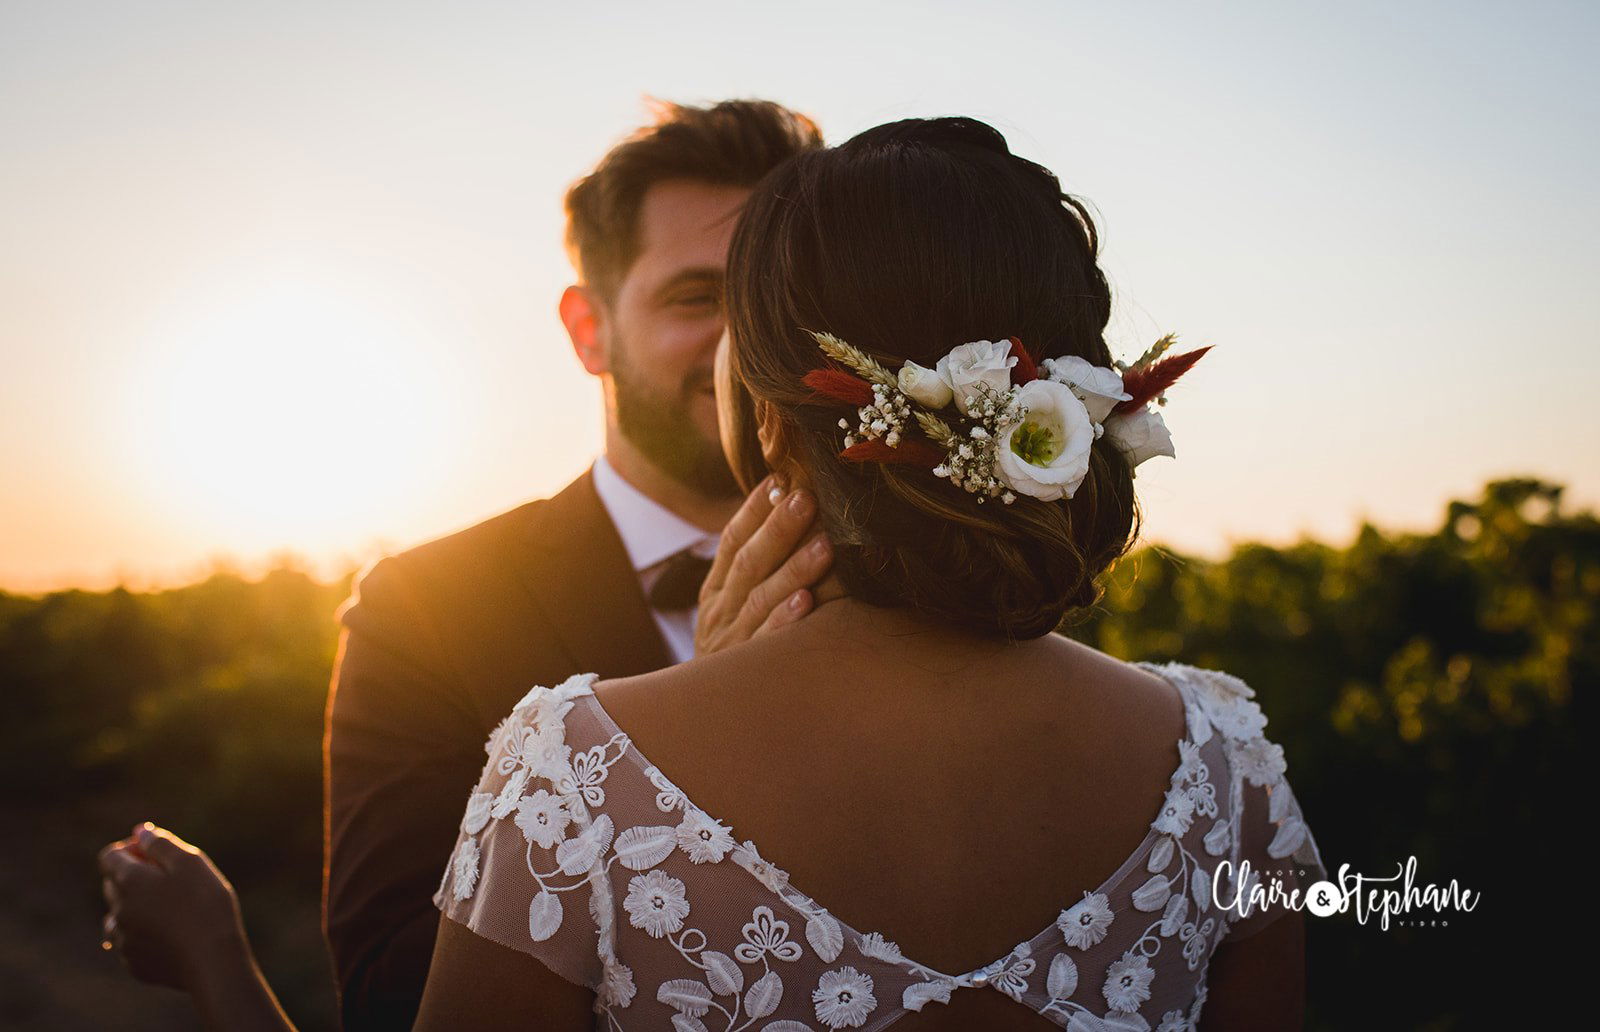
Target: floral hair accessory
x=995 y=423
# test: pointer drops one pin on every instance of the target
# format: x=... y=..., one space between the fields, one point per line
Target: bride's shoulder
x=1218 y=702
x=540 y=710
x=1187 y=680
x=661 y=702
x=1133 y=680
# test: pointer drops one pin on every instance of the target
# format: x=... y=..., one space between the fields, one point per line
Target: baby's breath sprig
x=848 y=355
x=970 y=460
x=884 y=419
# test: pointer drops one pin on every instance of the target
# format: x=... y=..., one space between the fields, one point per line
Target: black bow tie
x=678 y=586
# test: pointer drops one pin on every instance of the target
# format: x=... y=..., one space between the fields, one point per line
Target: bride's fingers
x=751 y=515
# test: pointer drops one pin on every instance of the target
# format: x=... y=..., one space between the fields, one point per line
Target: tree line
x=1425 y=687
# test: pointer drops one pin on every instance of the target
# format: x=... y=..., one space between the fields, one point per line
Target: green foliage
x=199 y=708
x=1423 y=686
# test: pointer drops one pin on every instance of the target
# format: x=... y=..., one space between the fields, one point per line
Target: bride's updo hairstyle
x=908 y=240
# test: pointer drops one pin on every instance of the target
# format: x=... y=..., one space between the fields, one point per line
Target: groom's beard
x=660 y=425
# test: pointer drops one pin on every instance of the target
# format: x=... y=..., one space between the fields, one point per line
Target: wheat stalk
x=864 y=364
x=938 y=430
x=1155 y=351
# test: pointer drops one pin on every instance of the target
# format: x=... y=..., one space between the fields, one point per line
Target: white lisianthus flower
x=1046 y=456
x=1141 y=434
x=1098 y=387
x=969 y=366
x=925 y=386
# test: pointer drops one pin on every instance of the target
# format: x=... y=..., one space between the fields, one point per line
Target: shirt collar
x=650 y=531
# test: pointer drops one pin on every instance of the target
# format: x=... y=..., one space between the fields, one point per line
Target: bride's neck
x=836 y=611
x=829 y=589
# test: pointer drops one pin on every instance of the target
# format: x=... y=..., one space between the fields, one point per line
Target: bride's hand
x=172 y=916
x=767 y=562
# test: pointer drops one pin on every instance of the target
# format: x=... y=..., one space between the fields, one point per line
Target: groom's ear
x=583 y=314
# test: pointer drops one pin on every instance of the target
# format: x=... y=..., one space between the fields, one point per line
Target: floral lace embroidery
x=530 y=745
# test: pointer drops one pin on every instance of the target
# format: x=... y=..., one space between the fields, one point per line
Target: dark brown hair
x=905 y=241
x=733 y=143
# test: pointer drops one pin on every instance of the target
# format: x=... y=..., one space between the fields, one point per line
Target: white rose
x=1098 y=387
x=1046 y=455
x=1141 y=434
x=981 y=362
x=924 y=386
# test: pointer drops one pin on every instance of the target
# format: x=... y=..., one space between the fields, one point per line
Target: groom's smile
x=669 y=307
x=653 y=337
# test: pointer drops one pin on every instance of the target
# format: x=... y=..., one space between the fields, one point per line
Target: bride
x=915 y=806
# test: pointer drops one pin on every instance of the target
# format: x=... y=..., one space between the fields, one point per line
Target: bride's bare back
x=951 y=792
x=958 y=796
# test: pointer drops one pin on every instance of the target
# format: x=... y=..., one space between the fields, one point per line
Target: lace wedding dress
x=575 y=849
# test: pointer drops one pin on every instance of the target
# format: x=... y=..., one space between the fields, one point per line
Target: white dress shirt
x=651 y=533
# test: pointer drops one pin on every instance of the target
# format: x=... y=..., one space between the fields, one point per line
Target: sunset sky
x=282 y=278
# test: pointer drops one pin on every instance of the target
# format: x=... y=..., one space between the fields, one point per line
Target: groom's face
x=662 y=331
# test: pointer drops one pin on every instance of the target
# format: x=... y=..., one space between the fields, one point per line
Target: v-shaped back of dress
x=577 y=850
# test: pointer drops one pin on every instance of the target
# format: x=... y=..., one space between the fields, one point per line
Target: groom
x=439 y=642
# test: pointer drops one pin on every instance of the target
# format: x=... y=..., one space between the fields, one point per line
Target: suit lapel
x=578 y=574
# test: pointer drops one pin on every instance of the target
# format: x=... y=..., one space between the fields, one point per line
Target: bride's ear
x=774 y=438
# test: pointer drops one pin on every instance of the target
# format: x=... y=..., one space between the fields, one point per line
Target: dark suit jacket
x=438 y=643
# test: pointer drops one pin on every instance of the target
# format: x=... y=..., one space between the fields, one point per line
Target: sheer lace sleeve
x=1272 y=846
x=520 y=874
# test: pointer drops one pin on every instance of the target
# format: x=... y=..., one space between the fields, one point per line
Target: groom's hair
x=734 y=143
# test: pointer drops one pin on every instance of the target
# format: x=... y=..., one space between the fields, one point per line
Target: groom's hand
x=769 y=558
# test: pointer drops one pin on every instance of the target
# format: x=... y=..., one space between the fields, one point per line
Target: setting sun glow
x=290 y=413
x=281 y=281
